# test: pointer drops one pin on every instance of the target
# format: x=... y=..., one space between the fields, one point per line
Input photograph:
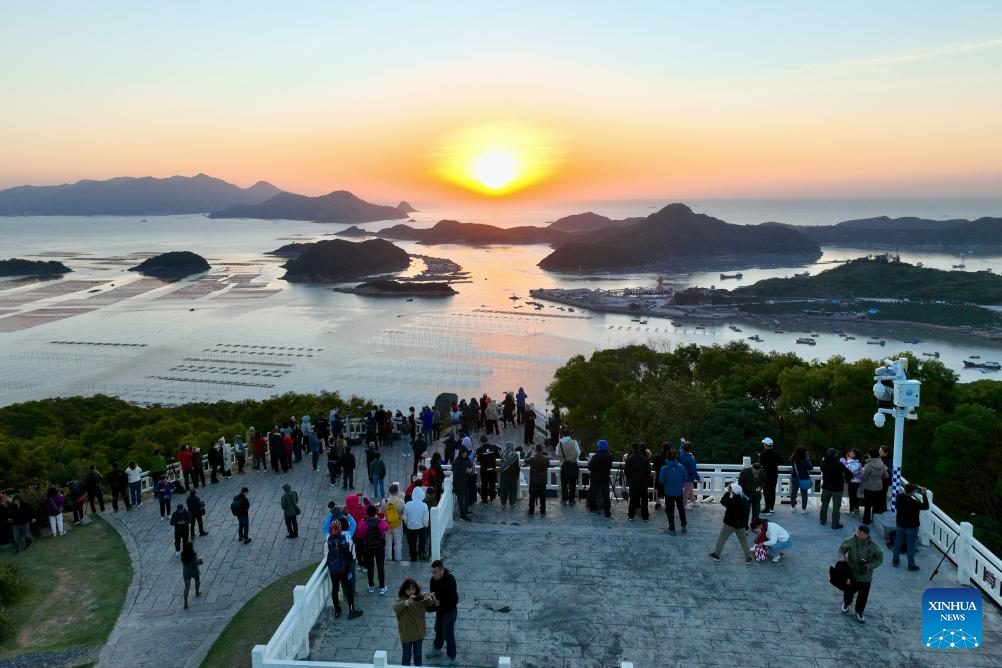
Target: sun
x=497 y=159
x=495 y=169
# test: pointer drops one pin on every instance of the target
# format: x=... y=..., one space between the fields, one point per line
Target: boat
x=777 y=331
x=755 y=338
x=974 y=357
x=932 y=354
x=514 y=298
x=850 y=338
x=806 y=340
x=570 y=309
x=962 y=265
x=725 y=277
x=643 y=322
x=815 y=335
x=735 y=329
x=804 y=274
x=877 y=343
x=987 y=364
x=700 y=327
x=410 y=299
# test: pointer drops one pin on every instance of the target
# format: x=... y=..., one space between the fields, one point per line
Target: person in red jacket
x=372 y=534
x=184 y=457
x=354 y=505
x=260 y=452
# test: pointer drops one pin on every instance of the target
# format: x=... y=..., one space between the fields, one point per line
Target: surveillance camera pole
x=900 y=414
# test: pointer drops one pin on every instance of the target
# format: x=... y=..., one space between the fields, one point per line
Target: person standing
x=833 y=478
x=227 y=459
x=374 y=530
x=215 y=461
x=240 y=507
x=119 y=484
x=377 y=474
x=907 y=523
x=872 y=482
x=21 y=516
x=600 y=478
x=240 y=452
x=54 y=502
x=462 y=469
x=196 y=513
x=347 y=469
x=290 y=510
x=134 y=476
x=529 y=428
x=487 y=460
x=637 y=471
x=688 y=460
x=260 y=452
x=752 y=479
x=190 y=571
x=735 y=518
x=416 y=521
x=520 y=398
x=443 y=588
x=769 y=459
x=410 y=608
x=93 y=481
x=184 y=458
x=78 y=495
x=164 y=490
x=491 y=418
x=855 y=467
x=393 y=513
x=885 y=456
x=862 y=555
x=672 y=477
x=276 y=449
x=315 y=447
x=180 y=520
x=197 y=467
x=568 y=453
x=158 y=465
x=340 y=567
x=800 y=478
x=539 y=465
x=509 y=475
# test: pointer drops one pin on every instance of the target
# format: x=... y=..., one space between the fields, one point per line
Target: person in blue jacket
x=672 y=477
x=688 y=460
x=315 y=446
x=339 y=512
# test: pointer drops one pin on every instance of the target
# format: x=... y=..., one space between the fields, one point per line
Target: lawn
x=76 y=588
x=256 y=622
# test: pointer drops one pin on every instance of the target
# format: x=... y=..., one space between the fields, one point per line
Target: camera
x=863 y=563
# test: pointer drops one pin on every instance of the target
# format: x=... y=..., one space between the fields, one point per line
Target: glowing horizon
x=526 y=102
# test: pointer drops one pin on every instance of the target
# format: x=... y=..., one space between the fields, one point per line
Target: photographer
x=862 y=555
x=410 y=608
x=907 y=523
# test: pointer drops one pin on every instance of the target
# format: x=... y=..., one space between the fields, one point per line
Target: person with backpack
x=372 y=533
x=240 y=507
x=340 y=568
x=600 y=479
x=134 y=476
x=333 y=461
x=834 y=476
x=290 y=510
x=735 y=521
x=907 y=523
x=347 y=469
x=54 y=502
x=862 y=555
x=672 y=478
x=196 y=513
x=539 y=465
x=240 y=452
x=377 y=474
x=509 y=475
x=637 y=471
x=119 y=484
x=190 y=571
x=417 y=519
x=568 y=453
x=800 y=478
x=180 y=520
x=93 y=481
x=769 y=458
x=410 y=608
x=164 y=490
x=443 y=588
x=393 y=514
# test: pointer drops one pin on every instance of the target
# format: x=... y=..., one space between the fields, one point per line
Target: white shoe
x=776 y=559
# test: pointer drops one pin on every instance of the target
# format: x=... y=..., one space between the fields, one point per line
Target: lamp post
x=899 y=397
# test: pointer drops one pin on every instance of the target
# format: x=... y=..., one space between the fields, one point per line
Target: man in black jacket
x=907 y=523
x=119 y=484
x=180 y=521
x=462 y=469
x=487 y=460
x=600 y=470
x=196 y=511
x=833 y=479
x=538 y=465
x=735 y=518
x=93 y=482
x=443 y=587
x=241 y=509
x=769 y=459
x=637 y=471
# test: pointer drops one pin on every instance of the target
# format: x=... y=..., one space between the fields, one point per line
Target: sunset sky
x=601 y=100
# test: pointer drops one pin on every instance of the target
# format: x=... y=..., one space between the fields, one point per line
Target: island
x=354 y=231
x=290 y=250
x=336 y=260
x=175 y=264
x=389 y=288
x=677 y=237
x=131 y=196
x=406 y=207
x=474 y=234
x=18 y=267
x=339 y=206
x=588 y=222
x=910 y=232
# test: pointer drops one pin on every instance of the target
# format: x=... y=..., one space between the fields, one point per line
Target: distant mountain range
x=131 y=196
x=910 y=231
x=339 y=206
x=677 y=233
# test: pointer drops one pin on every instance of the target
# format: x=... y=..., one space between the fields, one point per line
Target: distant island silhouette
x=339 y=206
x=334 y=260
x=910 y=232
x=18 y=267
x=474 y=234
x=175 y=264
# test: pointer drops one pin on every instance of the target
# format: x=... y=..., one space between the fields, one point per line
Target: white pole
x=899 y=443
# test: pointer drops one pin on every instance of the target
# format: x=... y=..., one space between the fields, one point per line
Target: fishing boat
x=912 y=341
x=570 y=309
x=932 y=354
x=725 y=277
x=755 y=338
x=777 y=331
x=850 y=338
x=815 y=334
x=807 y=341
x=514 y=298
x=877 y=343
x=735 y=329
x=987 y=364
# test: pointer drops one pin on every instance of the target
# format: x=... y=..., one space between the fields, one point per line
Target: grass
x=256 y=622
x=76 y=588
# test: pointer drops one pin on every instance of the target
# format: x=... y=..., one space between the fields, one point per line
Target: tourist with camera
x=862 y=555
x=410 y=608
x=735 y=521
x=907 y=523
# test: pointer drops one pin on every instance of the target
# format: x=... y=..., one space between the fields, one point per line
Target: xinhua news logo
x=951 y=618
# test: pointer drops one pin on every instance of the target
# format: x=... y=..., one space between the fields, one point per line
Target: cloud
x=916 y=55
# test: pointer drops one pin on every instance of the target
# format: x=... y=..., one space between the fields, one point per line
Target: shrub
x=6 y=623
x=11 y=584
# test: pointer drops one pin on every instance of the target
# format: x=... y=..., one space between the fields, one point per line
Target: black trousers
x=243 y=527
x=569 y=481
x=180 y=537
x=769 y=493
x=537 y=492
x=417 y=541
x=488 y=485
x=671 y=503
x=861 y=590
x=201 y=527
x=124 y=493
x=97 y=494
x=376 y=561
x=638 y=499
x=292 y=525
x=348 y=478
x=347 y=584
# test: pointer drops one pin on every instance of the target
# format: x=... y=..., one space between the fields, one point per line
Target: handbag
x=807 y=484
x=840 y=576
x=760 y=552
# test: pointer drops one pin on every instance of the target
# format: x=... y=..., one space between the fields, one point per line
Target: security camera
x=879 y=419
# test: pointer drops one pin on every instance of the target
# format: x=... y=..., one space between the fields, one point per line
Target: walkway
x=579 y=591
x=153 y=628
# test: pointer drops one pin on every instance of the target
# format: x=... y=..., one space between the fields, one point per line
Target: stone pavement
x=579 y=591
x=153 y=629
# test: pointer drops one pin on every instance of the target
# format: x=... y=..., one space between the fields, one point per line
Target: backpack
x=374 y=540
x=392 y=513
x=236 y=506
x=338 y=556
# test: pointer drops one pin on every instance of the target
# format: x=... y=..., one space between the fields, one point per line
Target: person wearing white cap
x=735 y=521
x=769 y=459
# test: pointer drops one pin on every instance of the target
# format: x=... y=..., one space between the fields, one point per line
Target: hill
x=131 y=196
x=387 y=288
x=339 y=206
x=19 y=267
x=881 y=278
x=910 y=231
x=677 y=233
x=406 y=207
x=334 y=260
x=354 y=231
x=175 y=264
x=587 y=222
x=476 y=234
